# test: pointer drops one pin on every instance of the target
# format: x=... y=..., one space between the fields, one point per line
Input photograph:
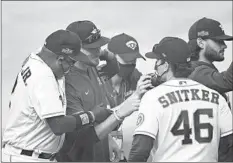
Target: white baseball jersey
x=186 y=119
x=36 y=95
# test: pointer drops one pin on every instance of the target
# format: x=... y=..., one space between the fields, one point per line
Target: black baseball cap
x=125 y=46
x=64 y=42
x=88 y=33
x=208 y=28
x=172 y=49
x=152 y=53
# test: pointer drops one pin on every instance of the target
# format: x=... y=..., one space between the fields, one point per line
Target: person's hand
x=144 y=84
x=114 y=150
x=101 y=113
x=105 y=54
x=130 y=105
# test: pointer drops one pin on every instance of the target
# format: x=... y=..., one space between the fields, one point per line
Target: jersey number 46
x=186 y=131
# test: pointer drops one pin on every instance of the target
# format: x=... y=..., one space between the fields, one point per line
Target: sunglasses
x=93 y=37
x=157 y=65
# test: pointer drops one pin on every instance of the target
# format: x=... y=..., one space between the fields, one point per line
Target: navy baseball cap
x=125 y=46
x=172 y=49
x=67 y=43
x=208 y=28
x=88 y=33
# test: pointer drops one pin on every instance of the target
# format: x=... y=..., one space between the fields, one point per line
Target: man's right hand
x=129 y=106
x=101 y=113
x=144 y=84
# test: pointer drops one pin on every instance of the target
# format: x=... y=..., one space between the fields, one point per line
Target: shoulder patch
x=140 y=119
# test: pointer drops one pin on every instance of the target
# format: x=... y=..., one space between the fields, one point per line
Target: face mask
x=156 y=79
x=125 y=70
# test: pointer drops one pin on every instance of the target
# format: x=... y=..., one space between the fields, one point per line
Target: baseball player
x=37 y=117
x=180 y=120
x=206 y=41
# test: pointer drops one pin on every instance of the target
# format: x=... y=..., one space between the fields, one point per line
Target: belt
x=41 y=155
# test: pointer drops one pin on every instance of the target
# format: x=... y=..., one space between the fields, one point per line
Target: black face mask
x=156 y=80
x=125 y=70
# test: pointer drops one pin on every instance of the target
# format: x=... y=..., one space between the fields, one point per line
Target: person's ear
x=166 y=66
x=201 y=43
x=60 y=59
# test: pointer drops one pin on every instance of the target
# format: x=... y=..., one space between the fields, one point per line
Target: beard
x=213 y=55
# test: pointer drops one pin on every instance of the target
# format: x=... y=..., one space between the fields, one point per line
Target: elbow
x=55 y=126
x=56 y=131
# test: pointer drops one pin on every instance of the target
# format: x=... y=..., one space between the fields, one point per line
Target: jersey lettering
x=185 y=95
x=186 y=131
x=26 y=74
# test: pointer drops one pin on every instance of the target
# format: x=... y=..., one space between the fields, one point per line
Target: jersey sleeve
x=48 y=100
x=148 y=117
x=225 y=118
x=221 y=82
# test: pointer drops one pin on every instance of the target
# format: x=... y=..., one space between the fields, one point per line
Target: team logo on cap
x=131 y=44
x=203 y=33
x=94 y=30
x=67 y=51
x=220 y=26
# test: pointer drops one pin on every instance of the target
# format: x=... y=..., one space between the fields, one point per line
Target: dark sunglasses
x=157 y=65
x=93 y=37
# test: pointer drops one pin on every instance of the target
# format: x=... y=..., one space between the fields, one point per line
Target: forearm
x=69 y=123
x=141 y=148
x=226 y=149
x=104 y=128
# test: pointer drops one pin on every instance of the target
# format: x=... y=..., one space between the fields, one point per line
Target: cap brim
x=81 y=57
x=101 y=42
x=153 y=55
x=224 y=37
x=127 y=57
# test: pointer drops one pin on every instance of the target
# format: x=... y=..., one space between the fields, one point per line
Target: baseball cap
x=88 y=33
x=208 y=28
x=63 y=42
x=152 y=53
x=125 y=46
x=172 y=49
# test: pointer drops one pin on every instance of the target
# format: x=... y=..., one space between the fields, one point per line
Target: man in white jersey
x=180 y=120
x=38 y=120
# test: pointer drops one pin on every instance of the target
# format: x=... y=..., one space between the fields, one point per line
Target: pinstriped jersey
x=36 y=95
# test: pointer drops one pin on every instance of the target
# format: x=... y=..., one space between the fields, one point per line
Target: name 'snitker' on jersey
x=185 y=95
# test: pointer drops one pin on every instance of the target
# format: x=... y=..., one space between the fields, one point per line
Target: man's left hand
x=114 y=150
